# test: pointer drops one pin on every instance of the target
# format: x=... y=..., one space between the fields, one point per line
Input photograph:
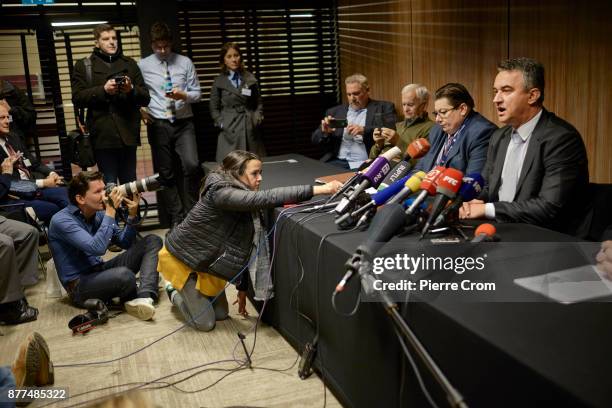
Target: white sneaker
x=141 y=308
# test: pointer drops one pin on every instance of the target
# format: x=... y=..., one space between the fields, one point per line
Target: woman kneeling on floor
x=221 y=235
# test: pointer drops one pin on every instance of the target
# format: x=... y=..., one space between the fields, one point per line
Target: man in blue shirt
x=348 y=147
x=81 y=233
x=173 y=85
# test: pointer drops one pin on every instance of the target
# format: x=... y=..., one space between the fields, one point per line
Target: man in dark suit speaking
x=348 y=146
x=537 y=168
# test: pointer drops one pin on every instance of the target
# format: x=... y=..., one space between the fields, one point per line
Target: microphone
x=319 y=207
x=345 y=186
x=381 y=196
x=372 y=177
x=484 y=232
x=387 y=221
x=448 y=185
x=428 y=186
x=415 y=150
x=470 y=189
x=400 y=170
x=411 y=186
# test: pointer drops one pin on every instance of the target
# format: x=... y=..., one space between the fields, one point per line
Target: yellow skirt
x=177 y=273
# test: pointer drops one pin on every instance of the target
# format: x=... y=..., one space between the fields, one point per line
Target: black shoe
x=18 y=312
x=114 y=248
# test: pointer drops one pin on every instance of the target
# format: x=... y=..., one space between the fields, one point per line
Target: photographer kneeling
x=222 y=235
x=81 y=233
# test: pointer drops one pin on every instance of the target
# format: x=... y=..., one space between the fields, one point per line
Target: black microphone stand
x=367 y=283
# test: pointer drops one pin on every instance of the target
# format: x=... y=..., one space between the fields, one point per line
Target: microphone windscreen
x=485 y=229
x=471 y=187
x=414 y=182
x=449 y=182
x=418 y=148
x=429 y=183
x=391 y=153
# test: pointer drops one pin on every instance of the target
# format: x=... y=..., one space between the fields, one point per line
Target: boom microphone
x=387 y=221
x=448 y=185
x=470 y=189
x=372 y=177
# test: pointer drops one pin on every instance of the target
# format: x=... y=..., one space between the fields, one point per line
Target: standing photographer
x=81 y=233
x=111 y=87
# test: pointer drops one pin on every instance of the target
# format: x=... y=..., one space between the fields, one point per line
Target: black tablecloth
x=525 y=352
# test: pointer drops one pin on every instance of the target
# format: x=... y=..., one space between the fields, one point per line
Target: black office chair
x=599 y=213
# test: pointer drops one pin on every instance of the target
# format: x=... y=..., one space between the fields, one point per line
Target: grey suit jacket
x=237 y=114
x=553 y=183
x=380 y=113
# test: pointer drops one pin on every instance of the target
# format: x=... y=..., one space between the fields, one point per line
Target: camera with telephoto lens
x=151 y=183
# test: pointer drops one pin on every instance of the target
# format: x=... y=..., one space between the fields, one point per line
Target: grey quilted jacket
x=217 y=234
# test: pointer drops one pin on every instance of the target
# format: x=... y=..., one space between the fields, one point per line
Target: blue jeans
x=117 y=163
x=7 y=382
x=50 y=201
x=117 y=277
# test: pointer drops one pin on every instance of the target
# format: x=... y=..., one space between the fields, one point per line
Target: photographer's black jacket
x=113 y=120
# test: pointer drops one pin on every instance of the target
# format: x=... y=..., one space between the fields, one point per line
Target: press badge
x=246 y=91
x=27 y=162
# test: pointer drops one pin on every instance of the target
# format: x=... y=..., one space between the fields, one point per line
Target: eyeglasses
x=442 y=112
x=9 y=117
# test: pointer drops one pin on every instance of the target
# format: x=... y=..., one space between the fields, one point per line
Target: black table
x=527 y=351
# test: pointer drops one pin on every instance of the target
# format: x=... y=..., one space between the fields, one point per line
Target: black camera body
x=120 y=80
x=97 y=314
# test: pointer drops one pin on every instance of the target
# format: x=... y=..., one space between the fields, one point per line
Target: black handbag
x=80 y=148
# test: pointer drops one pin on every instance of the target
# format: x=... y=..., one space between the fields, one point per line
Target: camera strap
x=97 y=314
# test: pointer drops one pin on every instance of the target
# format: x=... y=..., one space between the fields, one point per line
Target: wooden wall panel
x=459 y=41
x=374 y=40
x=572 y=40
x=438 y=41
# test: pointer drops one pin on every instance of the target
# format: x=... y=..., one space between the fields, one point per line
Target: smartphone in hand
x=338 y=123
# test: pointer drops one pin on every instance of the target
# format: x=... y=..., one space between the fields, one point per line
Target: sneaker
x=170 y=290
x=33 y=366
x=141 y=308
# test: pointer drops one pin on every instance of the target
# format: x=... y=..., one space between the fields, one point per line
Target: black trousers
x=169 y=142
x=117 y=277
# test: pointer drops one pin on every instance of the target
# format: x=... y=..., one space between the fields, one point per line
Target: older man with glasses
x=461 y=135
